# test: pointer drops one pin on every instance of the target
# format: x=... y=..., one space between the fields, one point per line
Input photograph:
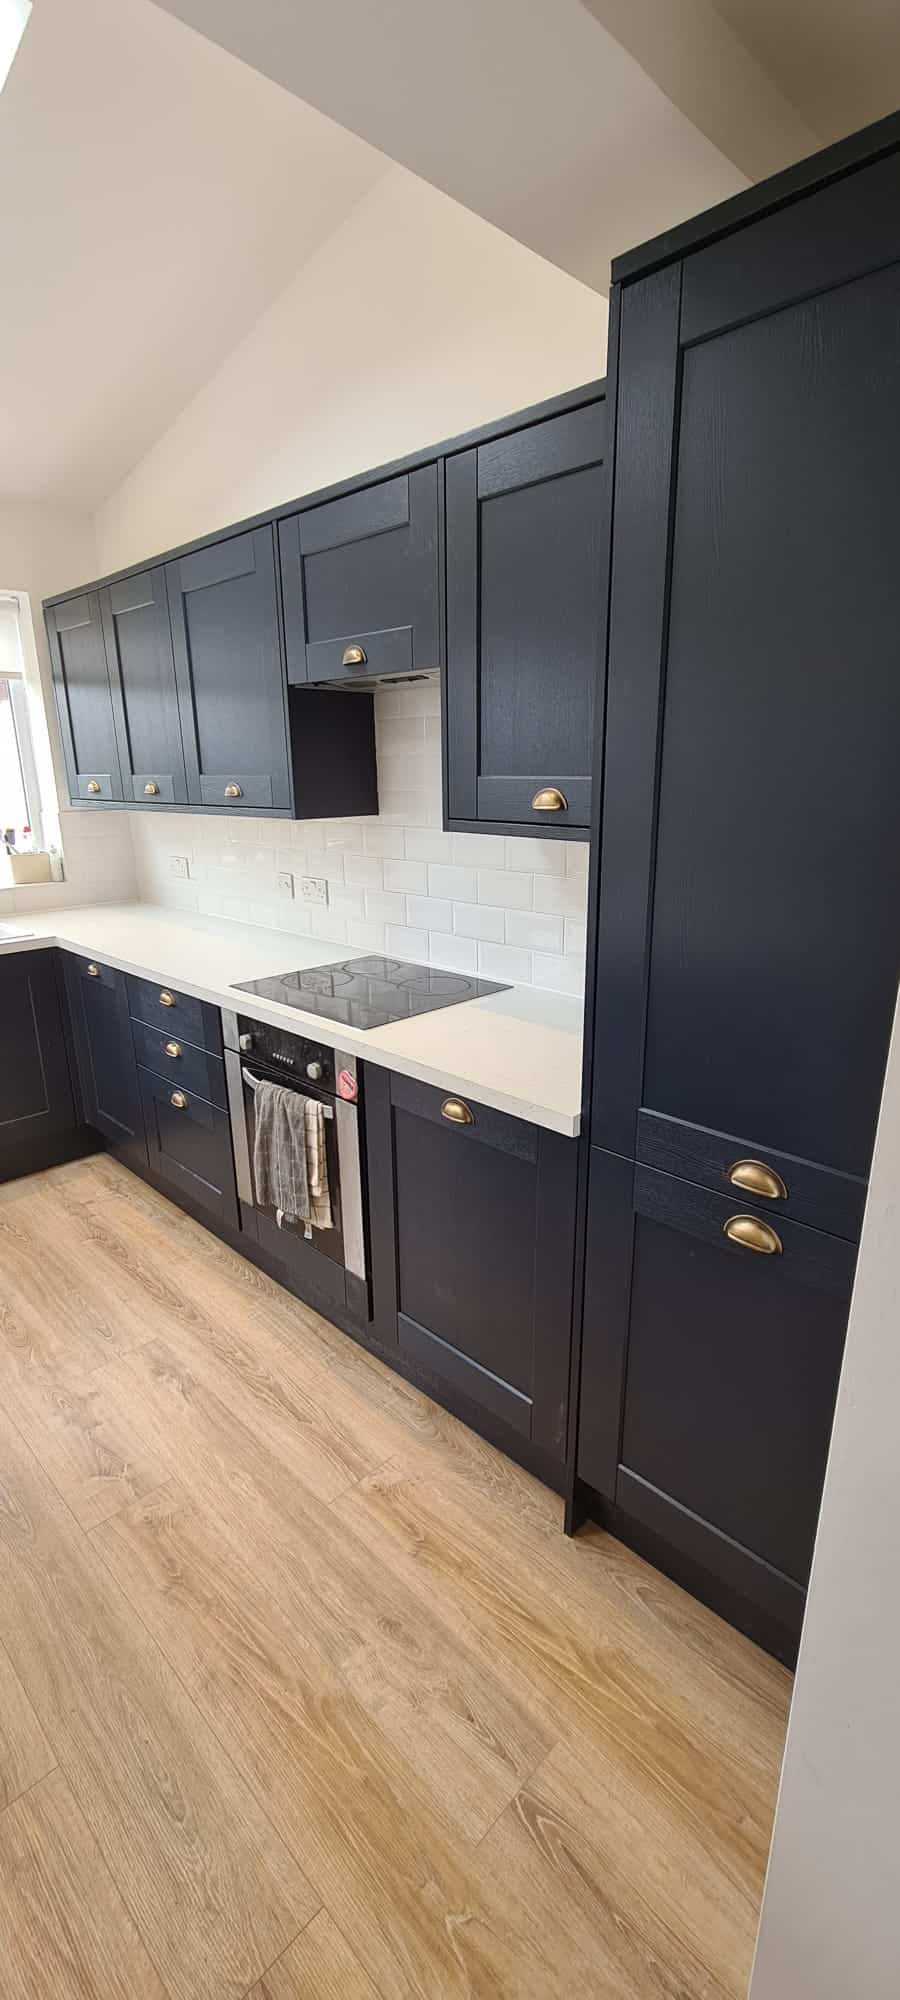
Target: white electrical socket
x=313 y=889
x=285 y=884
x=178 y=865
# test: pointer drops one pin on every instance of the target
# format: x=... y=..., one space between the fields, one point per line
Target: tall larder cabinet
x=745 y=931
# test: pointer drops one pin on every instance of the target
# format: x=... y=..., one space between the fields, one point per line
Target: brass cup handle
x=233 y=792
x=456 y=1112
x=151 y=790
x=94 y=786
x=753 y=1235
x=354 y=656
x=166 y=999
x=93 y=970
x=178 y=1099
x=173 y=1049
x=550 y=800
x=757 y=1178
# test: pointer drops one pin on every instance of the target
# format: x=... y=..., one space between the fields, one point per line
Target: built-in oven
x=327 y=1263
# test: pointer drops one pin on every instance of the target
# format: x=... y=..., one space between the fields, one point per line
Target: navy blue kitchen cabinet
x=744 y=938
x=361 y=582
x=38 y=1110
x=84 y=702
x=104 y=1056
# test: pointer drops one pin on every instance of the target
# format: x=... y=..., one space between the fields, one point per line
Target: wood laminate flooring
x=303 y=1693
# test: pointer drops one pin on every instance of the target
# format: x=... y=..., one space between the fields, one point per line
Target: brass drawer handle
x=354 y=656
x=152 y=789
x=173 y=1049
x=93 y=970
x=178 y=1099
x=457 y=1112
x=757 y=1179
x=94 y=786
x=166 y=999
x=550 y=800
x=233 y=792
x=753 y=1235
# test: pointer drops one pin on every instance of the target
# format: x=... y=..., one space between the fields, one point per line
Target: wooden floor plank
x=319 y=1965
x=65 y=1933
x=339 y=1709
x=25 y=1754
x=213 y=1889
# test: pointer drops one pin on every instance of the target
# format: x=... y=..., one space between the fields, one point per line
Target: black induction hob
x=370 y=992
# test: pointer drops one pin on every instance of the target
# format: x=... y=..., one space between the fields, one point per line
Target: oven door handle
x=309 y=1095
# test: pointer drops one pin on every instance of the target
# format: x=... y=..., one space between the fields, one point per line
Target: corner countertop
x=518 y=1051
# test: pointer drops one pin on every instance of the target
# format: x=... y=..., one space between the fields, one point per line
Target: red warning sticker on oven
x=347 y=1085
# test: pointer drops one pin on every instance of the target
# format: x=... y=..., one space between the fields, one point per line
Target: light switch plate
x=178 y=866
x=285 y=884
x=313 y=889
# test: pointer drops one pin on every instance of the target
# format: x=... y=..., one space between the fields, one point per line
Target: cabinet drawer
x=189 y=1146
x=802 y=1191
x=488 y=1127
x=183 y=1017
x=180 y=1064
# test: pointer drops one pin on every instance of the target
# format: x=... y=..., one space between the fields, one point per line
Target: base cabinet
x=189 y=1146
x=104 y=1056
x=473 y=1225
x=37 y=1104
x=709 y=1375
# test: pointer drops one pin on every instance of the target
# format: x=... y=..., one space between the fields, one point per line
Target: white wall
x=42 y=550
x=830 y=1922
x=414 y=321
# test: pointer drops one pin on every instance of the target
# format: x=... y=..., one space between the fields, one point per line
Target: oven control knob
x=314 y=1072
x=245 y=1042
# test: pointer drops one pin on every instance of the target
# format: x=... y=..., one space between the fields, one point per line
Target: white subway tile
x=344 y=834
x=561 y=895
x=429 y=913
x=328 y=925
x=503 y=961
x=422 y=844
x=576 y=935
x=402 y=942
x=564 y=975
x=348 y=901
x=477 y=920
x=458 y=954
x=411 y=875
x=543 y=857
x=329 y=862
x=364 y=869
x=294 y=917
x=533 y=932
x=365 y=936
x=505 y=889
x=384 y=840
x=457 y=883
x=479 y=850
x=433 y=728
x=578 y=855
x=401 y=735
x=385 y=907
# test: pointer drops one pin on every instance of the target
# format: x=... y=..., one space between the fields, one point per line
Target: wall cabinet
x=526 y=595
x=361 y=582
x=224 y=613
x=104 y=1054
x=138 y=641
x=747 y=924
x=38 y=1113
x=472 y=1241
x=84 y=699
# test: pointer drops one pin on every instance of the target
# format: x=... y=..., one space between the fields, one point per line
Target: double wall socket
x=313 y=889
x=178 y=866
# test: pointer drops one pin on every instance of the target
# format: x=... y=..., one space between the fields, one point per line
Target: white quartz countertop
x=519 y=1050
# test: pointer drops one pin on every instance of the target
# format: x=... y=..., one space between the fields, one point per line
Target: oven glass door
x=330 y=1242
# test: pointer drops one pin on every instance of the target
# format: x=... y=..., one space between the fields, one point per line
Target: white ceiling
x=837 y=60
x=155 y=197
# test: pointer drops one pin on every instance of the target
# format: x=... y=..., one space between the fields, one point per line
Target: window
x=21 y=826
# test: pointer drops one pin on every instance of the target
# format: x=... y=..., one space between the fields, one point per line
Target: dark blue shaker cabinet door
x=231 y=687
x=84 y=699
x=104 y=1054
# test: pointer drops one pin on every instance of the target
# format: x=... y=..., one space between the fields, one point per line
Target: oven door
x=328 y=1242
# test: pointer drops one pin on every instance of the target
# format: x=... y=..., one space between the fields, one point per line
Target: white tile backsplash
x=511 y=909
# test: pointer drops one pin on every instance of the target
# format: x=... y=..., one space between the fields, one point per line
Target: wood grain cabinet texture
x=526 y=595
x=746 y=935
x=472 y=1249
x=361 y=583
